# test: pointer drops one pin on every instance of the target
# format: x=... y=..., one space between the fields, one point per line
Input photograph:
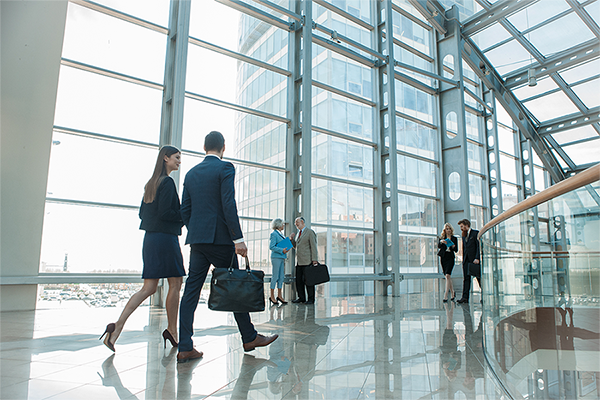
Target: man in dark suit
x=209 y=211
x=470 y=255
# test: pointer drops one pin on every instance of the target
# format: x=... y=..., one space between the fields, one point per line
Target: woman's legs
x=134 y=302
x=172 y=304
x=277 y=264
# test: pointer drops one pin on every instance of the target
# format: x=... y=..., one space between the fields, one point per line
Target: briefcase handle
x=245 y=257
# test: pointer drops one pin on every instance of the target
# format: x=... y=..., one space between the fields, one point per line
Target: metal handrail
x=586 y=177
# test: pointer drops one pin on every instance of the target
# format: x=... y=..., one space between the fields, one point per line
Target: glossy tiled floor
x=355 y=347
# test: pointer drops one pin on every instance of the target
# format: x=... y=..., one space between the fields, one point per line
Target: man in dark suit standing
x=209 y=211
x=470 y=255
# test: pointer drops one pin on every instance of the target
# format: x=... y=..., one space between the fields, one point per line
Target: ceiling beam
x=497 y=11
x=579 y=54
x=571 y=121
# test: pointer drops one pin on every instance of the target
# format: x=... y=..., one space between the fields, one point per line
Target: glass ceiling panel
x=581 y=72
x=537 y=13
x=509 y=57
x=584 y=152
x=551 y=38
x=572 y=135
x=589 y=93
x=543 y=85
x=490 y=36
x=551 y=106
x=594 y=11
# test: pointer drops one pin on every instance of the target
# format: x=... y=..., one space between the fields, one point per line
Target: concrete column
x=32 y=36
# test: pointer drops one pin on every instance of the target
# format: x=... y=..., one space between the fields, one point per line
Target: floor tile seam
x=56 y=394
x=365 y=380
x=14 y=383
x=425 y=357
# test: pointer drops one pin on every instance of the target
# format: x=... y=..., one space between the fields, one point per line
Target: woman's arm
x=168 y=201
x=273 y=243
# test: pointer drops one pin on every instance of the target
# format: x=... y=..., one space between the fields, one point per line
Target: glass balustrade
x=541 y=284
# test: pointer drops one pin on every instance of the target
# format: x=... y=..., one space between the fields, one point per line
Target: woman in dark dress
x=446 y=254
x=161 y=253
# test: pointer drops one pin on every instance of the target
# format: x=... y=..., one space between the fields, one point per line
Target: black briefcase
x=474 y=269
x=237 y=290
x=316 y=274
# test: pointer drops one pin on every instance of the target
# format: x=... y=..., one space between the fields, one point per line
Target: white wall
x=31 y=45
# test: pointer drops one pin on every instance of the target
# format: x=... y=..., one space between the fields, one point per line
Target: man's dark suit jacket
x=471 y=247
x=208 y=207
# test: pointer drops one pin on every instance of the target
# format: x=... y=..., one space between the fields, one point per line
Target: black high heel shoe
x=273 y=303
x=110 y=328
x=279 y=299
x=167 y=336
x=445 y=300
x=453 y=296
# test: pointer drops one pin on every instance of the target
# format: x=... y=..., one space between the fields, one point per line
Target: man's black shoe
x=309 y=302
x=463 y=301
x=297 y=301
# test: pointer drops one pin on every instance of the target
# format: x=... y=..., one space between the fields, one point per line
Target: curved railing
x=541 y=285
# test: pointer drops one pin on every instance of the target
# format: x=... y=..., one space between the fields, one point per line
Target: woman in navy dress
x=161 y=219
x=446 y=254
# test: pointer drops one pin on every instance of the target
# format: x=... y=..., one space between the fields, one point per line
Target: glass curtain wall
x=237 y=81
x=106 y=135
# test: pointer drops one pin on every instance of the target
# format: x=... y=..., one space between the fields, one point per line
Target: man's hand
x=475 y=261
x=241 y=249
x=315 y=263
x=292 y=235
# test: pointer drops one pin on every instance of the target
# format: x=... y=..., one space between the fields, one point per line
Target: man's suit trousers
x=300 y=285
x=201 y=257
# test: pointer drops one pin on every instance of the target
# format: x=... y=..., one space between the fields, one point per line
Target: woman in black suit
x=161 y=219
x=446 y=254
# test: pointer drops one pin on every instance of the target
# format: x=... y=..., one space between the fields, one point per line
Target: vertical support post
x=306 y=117
x=299 y=143
x=294 y=133
x=493 y=154
x=455 y=169
x=380 y=266
x=386 y=149
x=171 y=124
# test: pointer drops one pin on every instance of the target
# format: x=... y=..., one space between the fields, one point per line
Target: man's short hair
x=214 y=141
x=301 y=219
x=465 y=222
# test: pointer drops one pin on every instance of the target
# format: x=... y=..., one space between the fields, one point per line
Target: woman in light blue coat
x=278 y=257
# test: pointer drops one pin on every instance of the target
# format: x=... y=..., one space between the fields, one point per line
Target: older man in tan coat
x=306 y=255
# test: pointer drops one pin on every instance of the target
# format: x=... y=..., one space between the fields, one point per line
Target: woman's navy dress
x=447 y=257
x=162 y=222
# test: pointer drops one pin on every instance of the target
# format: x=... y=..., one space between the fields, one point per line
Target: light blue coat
x=276 y=252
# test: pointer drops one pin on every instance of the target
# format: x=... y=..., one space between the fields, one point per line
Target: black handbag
x=237 y=290
x=316 y=274
x=474 y=269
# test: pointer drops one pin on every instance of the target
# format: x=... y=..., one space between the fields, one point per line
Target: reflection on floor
x=550 y=352
x=363 y=347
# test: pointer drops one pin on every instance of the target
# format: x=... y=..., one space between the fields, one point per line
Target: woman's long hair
x=160 y=172
x=443 y=235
